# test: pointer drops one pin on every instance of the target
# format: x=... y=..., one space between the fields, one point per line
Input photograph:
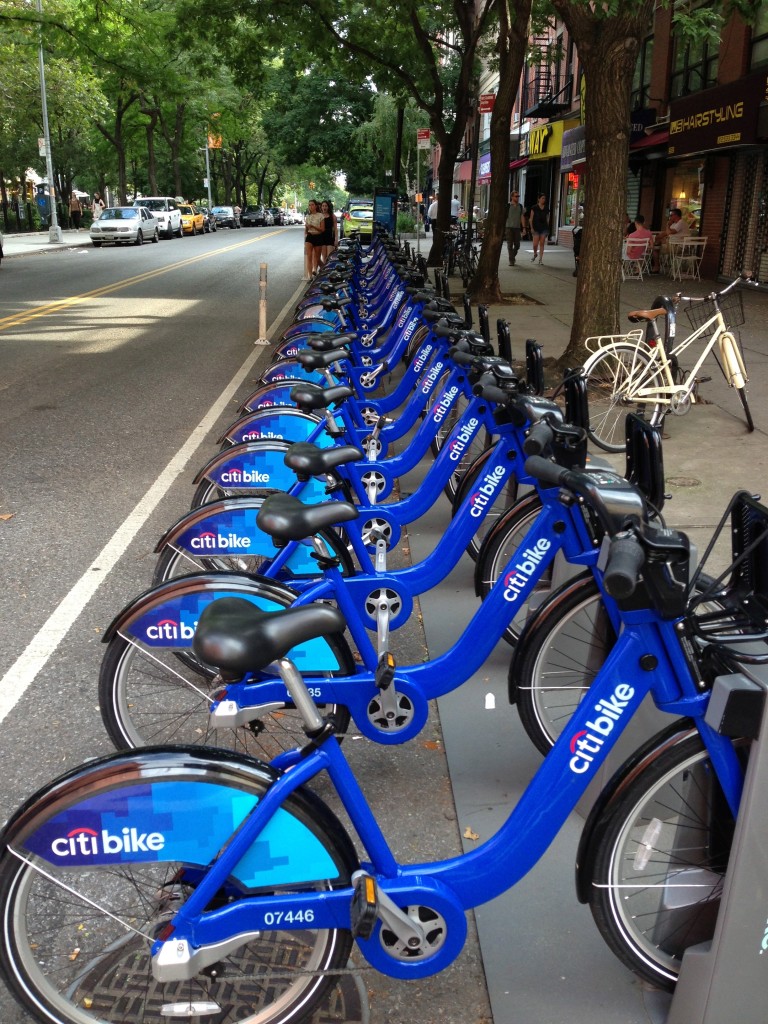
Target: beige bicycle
x=640 y=371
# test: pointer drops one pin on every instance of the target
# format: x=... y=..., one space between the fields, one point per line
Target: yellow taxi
x=192 y=221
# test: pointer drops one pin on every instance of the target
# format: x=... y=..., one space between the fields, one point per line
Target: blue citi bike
x=204 y=884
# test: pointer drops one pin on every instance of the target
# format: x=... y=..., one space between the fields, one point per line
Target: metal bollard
x=262 y=338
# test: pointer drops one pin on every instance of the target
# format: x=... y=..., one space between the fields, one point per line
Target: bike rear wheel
x=613 y=377
x=160 y=695
x=661 y=852
x=77 y=943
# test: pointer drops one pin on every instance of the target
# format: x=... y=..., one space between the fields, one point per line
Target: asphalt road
x=110 y=362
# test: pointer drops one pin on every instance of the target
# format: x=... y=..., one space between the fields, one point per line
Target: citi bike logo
x=87 y=842
x=444 y=403
x=170 y=629
x=518 y=576
x=209 y=540
x=462 y=439
x=587 y=743
x=420 y=360
x=244 y=476
x=486 y=490
x=410 y=329
x=261 y=435
x=429 y=380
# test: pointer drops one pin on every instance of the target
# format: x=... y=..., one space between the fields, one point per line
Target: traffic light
x=312 y=185
x=30 y=189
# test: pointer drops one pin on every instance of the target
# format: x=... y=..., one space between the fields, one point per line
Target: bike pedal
x=365 y=906
x=385 y=671
x=703 y=380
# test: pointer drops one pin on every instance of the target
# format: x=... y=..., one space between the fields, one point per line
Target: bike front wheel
x=661 y=852
x=76 y=944
x=613 y=377
x=559 y=655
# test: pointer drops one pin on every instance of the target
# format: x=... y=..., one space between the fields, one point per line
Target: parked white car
x=131 y=225
x=167 y=211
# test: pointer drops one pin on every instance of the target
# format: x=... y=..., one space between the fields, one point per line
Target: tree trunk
x=511 y=46
x=608 y=46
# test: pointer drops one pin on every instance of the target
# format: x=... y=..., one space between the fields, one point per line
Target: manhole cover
x=683 y=481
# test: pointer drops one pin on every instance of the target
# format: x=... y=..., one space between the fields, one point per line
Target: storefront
x=543 y=148
x=573 y=167
x=717 y=172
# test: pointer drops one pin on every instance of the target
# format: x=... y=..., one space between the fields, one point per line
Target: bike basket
x=731 y=306
x=732 y=609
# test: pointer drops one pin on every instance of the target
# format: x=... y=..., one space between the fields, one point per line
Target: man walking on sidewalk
x=514 y=226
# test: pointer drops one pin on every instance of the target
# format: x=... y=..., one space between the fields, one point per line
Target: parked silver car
x=133 y=225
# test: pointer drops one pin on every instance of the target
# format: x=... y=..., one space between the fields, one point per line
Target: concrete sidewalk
x=27 y=243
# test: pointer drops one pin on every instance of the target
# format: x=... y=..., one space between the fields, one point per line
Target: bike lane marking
x=41 y=647
x=17 y=319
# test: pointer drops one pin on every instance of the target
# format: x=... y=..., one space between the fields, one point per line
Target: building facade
x=698 y=138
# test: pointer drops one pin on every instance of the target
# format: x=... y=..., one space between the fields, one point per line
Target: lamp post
x=208 y=174
x=54 y=231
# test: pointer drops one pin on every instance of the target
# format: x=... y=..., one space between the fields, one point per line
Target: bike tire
x=163 y=695
x=609 y=373
x=504 y=500
x=76 y=946
x=742 y=393
x=669 y=831
x=504 y=539
x=557 y=657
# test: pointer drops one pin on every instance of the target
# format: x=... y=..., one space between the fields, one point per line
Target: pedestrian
x=432 y=211
x=577 y=233
x=75 y=210
x=538 y=219
x=1 y=248
x=455 y=210
x=514 y=226
x=330 y=230
x=97 y=206
x=314 y=231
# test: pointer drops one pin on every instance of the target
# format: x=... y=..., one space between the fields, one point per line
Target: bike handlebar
x=540 y=437
x=745 y=277
x=626 y=558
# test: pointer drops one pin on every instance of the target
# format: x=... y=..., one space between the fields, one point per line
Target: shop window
x=760 y=38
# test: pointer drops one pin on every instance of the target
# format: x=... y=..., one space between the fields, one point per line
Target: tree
x=607 y=38
x=511 y=44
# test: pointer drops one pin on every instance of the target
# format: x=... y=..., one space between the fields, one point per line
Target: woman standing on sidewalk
x=314 y=233
x=538 y=222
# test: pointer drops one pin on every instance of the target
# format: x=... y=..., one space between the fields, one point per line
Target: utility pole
x=54 y=231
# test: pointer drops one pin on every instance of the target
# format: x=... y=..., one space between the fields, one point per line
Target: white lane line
x=22 y=673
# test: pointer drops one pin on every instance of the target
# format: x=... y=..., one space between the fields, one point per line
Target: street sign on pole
x=487 y=101
x=423 y=138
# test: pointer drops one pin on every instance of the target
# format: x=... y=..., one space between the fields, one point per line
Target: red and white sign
x=423 y=138
x=487 y=101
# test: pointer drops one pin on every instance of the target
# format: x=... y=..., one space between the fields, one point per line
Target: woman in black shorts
x=331 y=229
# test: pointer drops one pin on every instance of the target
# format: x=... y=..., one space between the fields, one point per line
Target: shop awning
x=651 y=141
x=465 y=171
x=514 y=164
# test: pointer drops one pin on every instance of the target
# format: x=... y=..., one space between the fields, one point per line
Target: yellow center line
x=16 y=319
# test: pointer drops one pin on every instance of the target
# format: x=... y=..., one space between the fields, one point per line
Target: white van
x=166 y=211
